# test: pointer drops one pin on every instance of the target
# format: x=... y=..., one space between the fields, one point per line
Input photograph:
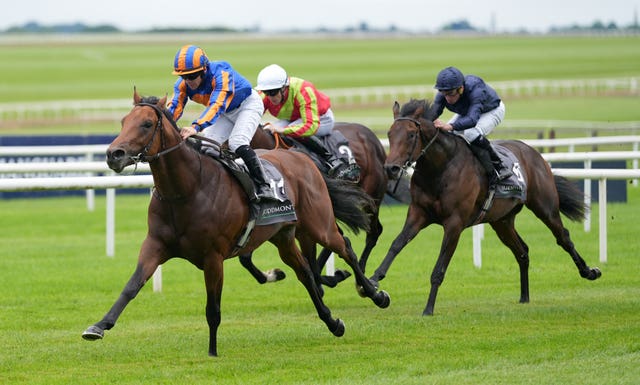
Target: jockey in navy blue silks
x=478 y=110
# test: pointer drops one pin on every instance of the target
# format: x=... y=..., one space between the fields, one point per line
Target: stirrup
x=264 y=192
x=503 y=173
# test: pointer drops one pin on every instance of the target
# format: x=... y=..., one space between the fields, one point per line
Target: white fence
x=113 y=108
x=110 y=182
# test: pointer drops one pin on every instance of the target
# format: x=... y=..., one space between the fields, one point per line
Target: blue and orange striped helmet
x=189 y=59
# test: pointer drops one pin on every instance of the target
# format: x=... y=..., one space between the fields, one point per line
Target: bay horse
x=370 y=156
x=449 y=187
x=199 y=211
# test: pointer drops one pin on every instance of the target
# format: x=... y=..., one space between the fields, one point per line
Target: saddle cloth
x=265 y=212
x=272 y=211
x=515 y=185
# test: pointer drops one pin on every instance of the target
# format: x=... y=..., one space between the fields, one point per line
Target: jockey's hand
x=273 y=128
x=442 y=125
x=186 y=132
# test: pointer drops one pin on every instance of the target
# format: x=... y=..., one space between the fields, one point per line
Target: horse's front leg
x=145 y=268
x=416 y=220
x=262 y=277
x=213 y=279
x=449 y=243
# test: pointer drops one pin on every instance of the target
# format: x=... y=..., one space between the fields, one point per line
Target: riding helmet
x=189 y=59
x=272 y=77
x=449 y=78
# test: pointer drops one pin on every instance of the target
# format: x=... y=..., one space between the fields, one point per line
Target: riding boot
x=263 y=189
x=502 y=171
x=314 y=144
x=482 y=153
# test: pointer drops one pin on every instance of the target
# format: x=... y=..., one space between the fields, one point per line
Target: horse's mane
x=409 y=108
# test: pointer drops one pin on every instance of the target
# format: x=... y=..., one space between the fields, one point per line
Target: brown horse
x=370 y=157
x=449 y=187
x=199 y=211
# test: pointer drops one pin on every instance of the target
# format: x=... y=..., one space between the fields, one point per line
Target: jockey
x=233 y=109
x=303 y=112
x=478 y=110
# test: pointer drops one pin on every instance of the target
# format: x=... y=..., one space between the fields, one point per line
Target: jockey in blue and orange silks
x=233 y=109
x=302 y=112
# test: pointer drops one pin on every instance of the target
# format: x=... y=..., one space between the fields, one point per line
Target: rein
x=142 y=156
x=409 y=161
x=280 y=143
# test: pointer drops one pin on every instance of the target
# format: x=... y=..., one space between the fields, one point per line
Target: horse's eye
x=147 y=124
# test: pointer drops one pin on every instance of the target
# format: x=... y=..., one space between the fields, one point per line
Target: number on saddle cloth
x=515 y=185
x=338 y=145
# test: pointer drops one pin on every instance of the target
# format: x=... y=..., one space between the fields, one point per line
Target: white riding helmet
x=272 y=77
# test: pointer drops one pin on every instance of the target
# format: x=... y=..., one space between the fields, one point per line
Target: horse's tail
x=351 y=205
x=571 y=199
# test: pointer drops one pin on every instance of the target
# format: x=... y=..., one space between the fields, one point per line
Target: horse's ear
x=396 y=109
x=136 y=97
x=162 y=103
x=417 y=114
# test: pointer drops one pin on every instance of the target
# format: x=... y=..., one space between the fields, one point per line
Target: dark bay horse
x=370 y=157
x=198 y=212
x=449 y=188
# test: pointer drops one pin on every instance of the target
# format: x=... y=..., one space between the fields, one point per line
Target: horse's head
x=143 y=136
x=407 y=135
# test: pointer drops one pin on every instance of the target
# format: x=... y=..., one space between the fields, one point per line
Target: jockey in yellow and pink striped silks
x=301 y=101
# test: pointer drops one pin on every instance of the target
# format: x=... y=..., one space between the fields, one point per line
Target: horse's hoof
x=595 y=274
x=93 y=333
x=275 y=275
x=382 y=299
x=360 y=291
x=339 y=330
x=341 y=275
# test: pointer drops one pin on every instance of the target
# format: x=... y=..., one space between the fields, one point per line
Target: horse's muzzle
x=393 y=171
x=117 y=159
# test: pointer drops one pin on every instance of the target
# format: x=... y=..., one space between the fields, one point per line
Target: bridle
x=414 y=145
x=142 y=156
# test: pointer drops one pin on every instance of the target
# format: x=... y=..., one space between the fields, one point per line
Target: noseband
x=423 y=139
x=142 y=156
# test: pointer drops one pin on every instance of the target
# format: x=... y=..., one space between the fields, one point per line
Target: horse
x=449 y=187
x=198 y=212
x=370 y=156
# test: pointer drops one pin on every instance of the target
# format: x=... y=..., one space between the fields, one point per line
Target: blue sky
x=415 y=15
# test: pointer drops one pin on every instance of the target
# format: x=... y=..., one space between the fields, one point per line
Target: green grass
x=85 y=70
x=104 y=70
x=55 y=280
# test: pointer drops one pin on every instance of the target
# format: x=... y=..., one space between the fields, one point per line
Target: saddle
x=338 y=146
x=511 y=187
x=261 y=213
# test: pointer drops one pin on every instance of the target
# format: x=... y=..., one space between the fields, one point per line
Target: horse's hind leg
x=272 y=275
x=551 y=218
x=342 y=246
x=371 y=241
x=509 y=236
x=337 y=277
x=291 y=255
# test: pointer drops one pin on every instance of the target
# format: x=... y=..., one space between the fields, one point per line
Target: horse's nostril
x=115 y=154
x=393 y=170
